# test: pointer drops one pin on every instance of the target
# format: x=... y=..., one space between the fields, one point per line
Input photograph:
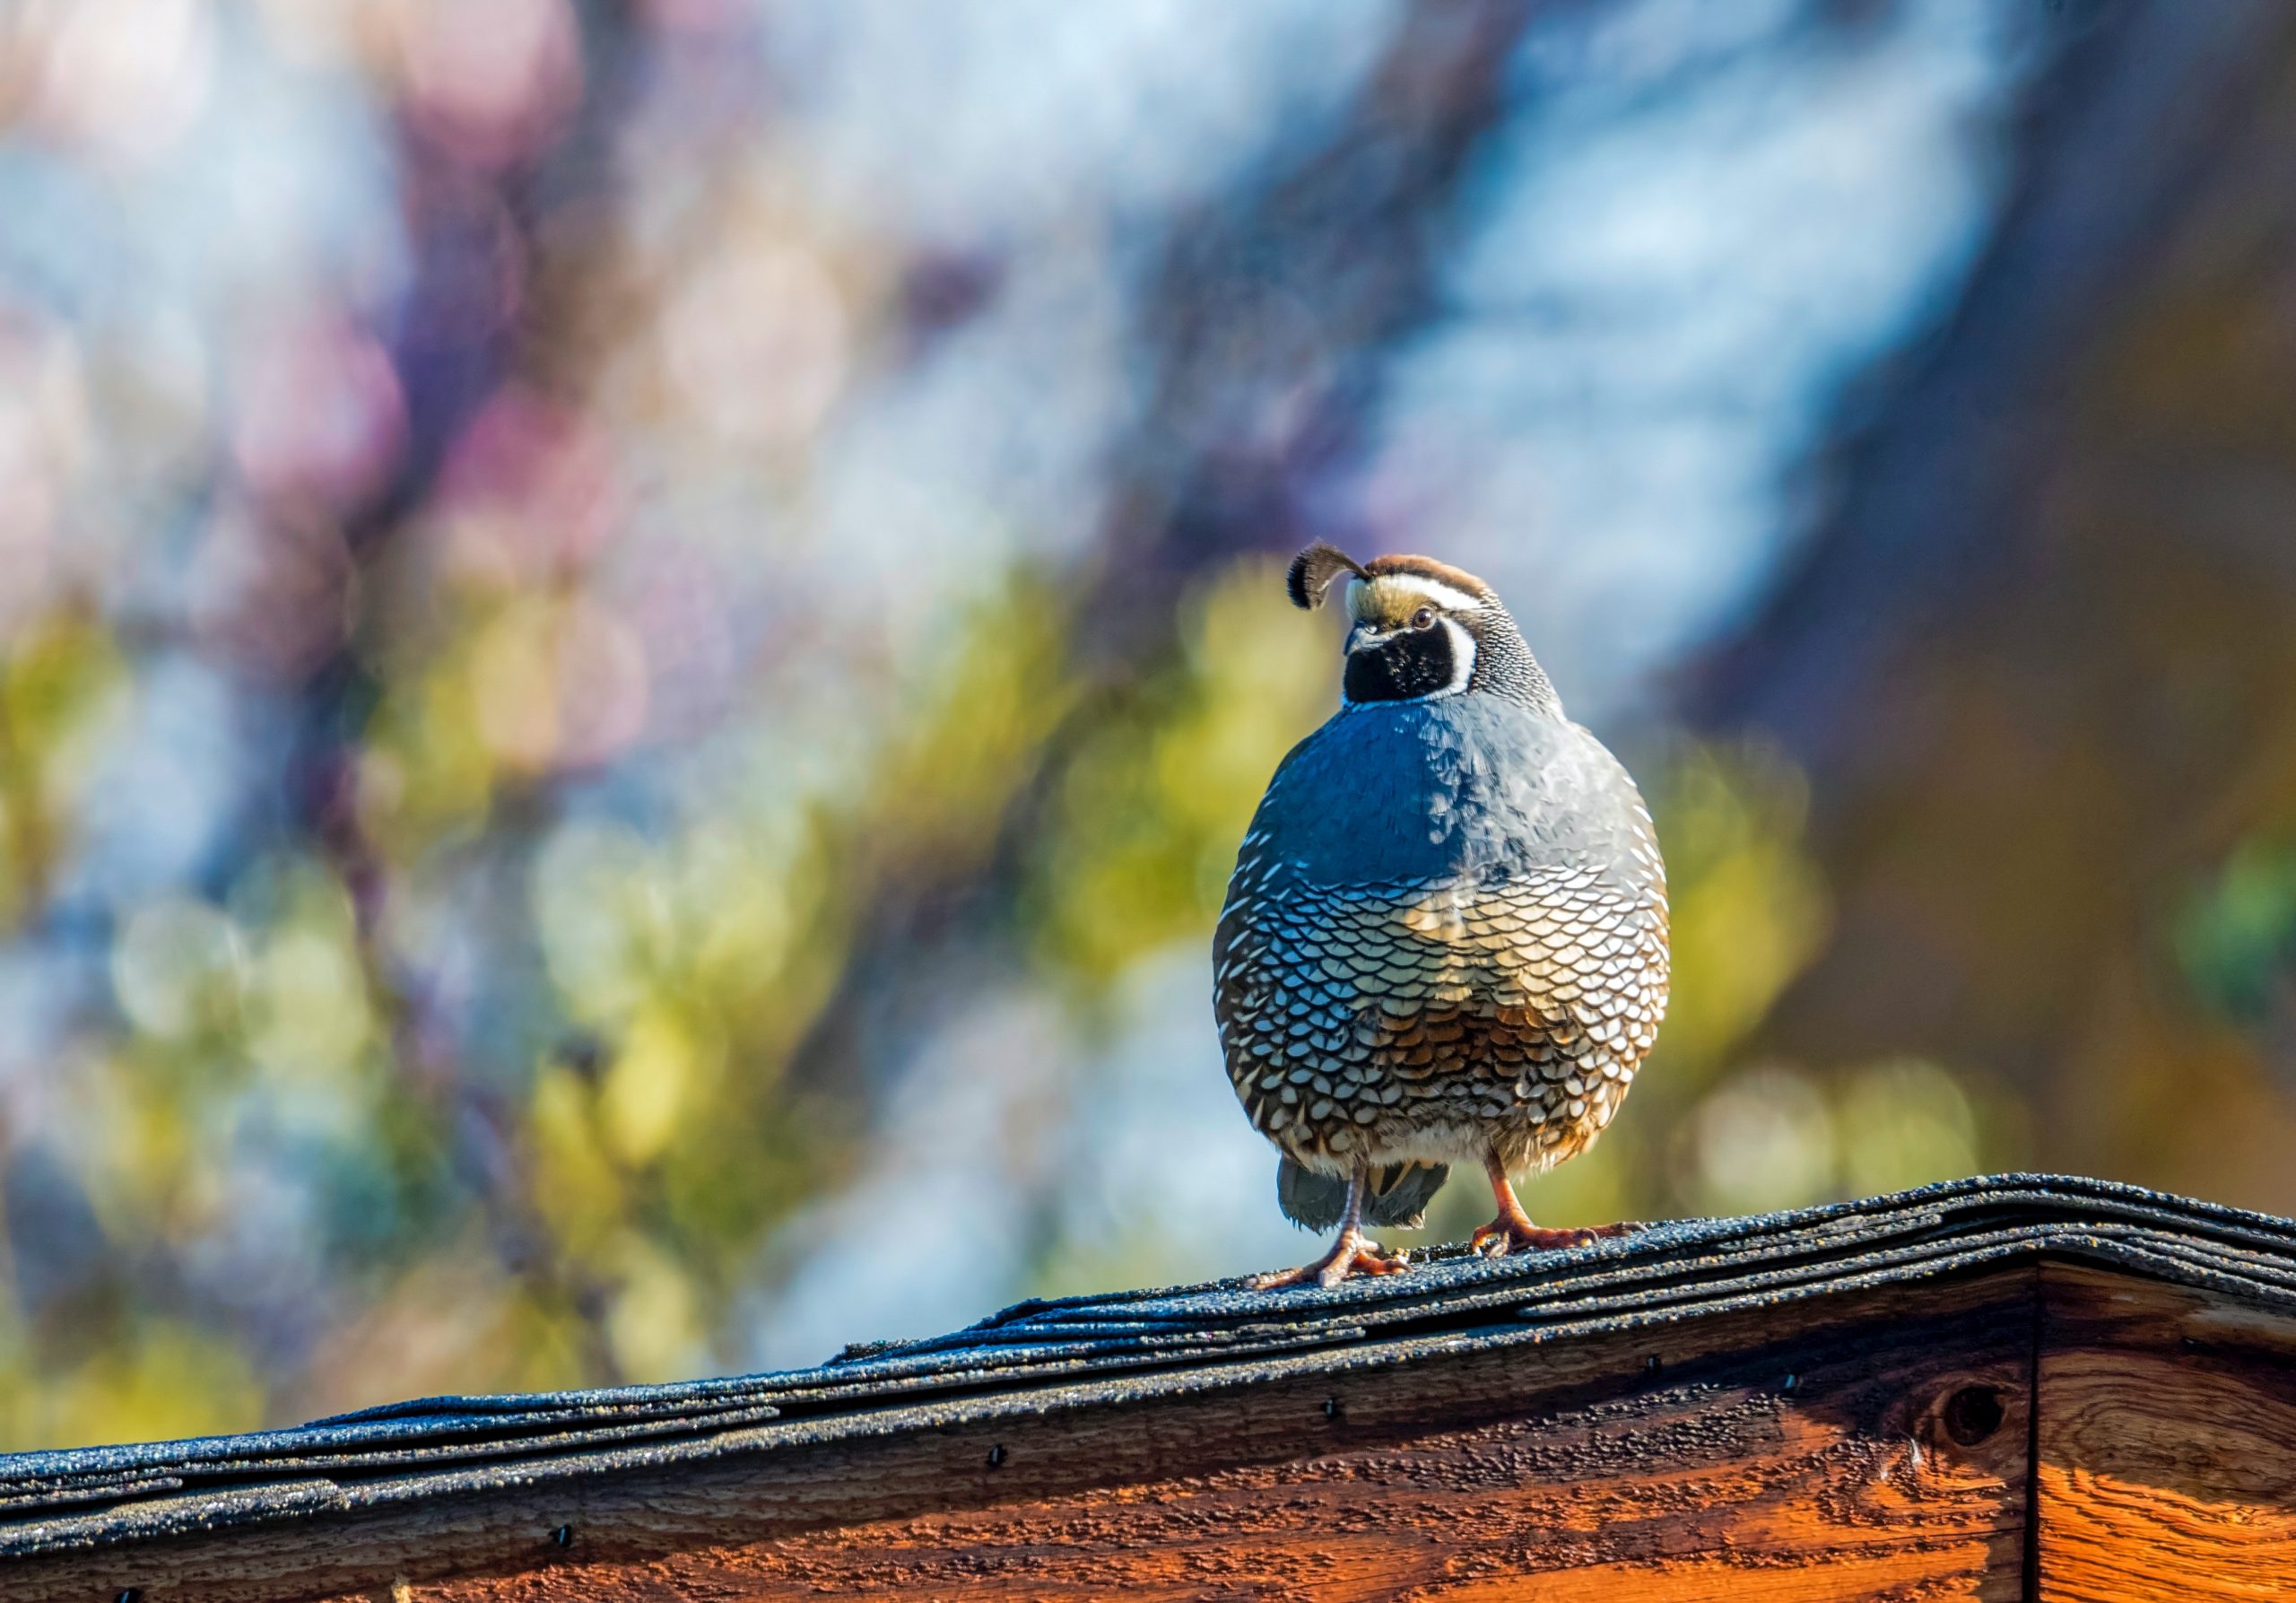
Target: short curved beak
x=1363 y=637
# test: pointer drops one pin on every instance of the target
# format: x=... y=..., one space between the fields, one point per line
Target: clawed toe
x=1504 y=1235
x=1366 y=1259
x=1348 y=1258
x=1497 y=1239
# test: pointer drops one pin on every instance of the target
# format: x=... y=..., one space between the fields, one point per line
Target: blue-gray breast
x=1445 y=940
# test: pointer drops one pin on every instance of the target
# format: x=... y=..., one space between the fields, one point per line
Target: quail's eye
x=1424 y=618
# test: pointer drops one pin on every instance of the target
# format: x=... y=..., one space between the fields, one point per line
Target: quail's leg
x=1351 y=1253
x=1513 y=1231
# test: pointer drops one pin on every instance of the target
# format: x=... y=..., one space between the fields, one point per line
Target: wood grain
x=2167 y=1443
x=1798 y=1453
x=1720 y=1483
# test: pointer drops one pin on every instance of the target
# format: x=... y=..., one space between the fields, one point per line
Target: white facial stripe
x=1462 y=657
x=1359 y=593
x=1435 y=590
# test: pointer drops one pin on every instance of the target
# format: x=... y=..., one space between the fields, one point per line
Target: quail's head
x=1420 y=629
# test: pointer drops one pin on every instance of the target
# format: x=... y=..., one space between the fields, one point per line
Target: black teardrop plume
x=1312 y=572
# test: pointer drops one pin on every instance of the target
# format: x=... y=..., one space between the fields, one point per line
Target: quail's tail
x=1400 y=1194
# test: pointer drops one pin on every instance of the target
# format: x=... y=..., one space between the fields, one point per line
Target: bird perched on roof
x=1445 y=940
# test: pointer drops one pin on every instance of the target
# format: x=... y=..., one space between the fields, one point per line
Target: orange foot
x=1516 y=1234
x=1351 y=1254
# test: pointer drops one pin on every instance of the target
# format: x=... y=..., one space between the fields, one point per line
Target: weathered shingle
x=1039 y=1356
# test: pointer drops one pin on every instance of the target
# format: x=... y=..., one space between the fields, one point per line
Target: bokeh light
x=634 y=641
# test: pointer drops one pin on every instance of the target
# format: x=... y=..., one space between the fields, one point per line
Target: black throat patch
x=1416 y=662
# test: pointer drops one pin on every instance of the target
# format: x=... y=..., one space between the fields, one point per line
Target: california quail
x=1445 y=940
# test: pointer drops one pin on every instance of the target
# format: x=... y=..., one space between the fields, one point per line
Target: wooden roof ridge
x=1042 y=1356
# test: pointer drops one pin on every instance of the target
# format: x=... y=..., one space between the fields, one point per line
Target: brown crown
x=1427 y=567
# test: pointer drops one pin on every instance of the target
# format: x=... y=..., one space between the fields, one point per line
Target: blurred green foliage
x=2235 y=939
x=1165 y=773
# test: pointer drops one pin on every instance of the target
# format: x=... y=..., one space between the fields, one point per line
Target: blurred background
x=635 y=635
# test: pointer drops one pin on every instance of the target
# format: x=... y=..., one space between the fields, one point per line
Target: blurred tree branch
x=2020 y=657
x=555 y=209
x=1931 y=493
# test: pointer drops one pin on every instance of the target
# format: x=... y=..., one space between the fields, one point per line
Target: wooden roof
x=1936 y=1297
